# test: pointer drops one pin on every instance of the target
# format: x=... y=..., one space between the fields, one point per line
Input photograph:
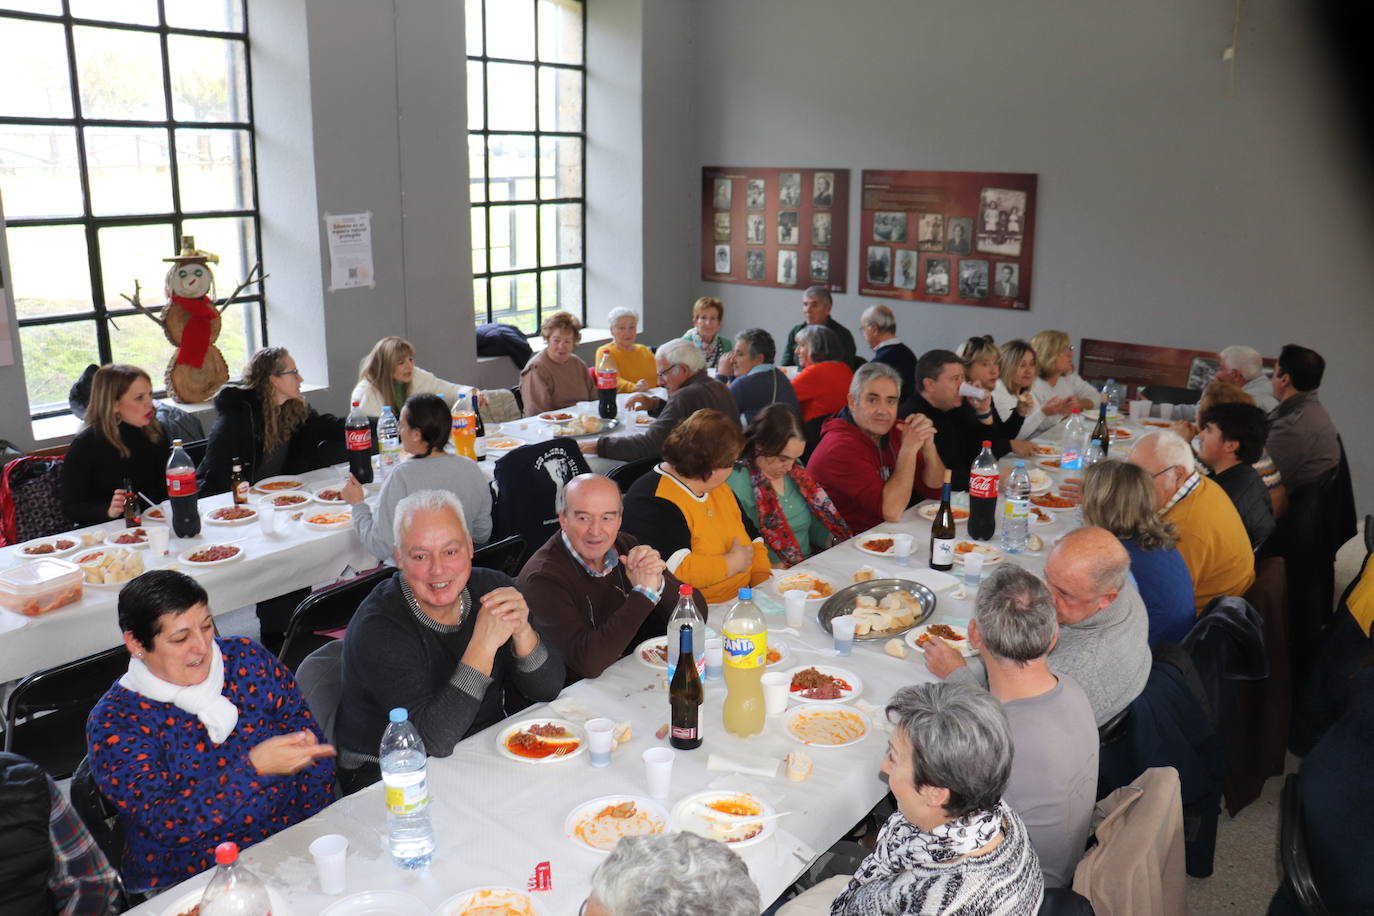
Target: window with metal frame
x=124 y=124
x=527 y=158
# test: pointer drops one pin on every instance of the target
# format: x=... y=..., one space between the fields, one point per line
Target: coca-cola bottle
x=982 y=495
x=358 y=438
x=181 y=491
x=607 y=376
x=234 y=890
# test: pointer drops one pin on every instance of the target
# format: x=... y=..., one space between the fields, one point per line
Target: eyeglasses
x=295 y=372
x=665 y=372
x=1165 y=471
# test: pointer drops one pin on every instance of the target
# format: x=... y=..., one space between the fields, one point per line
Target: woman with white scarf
x=953 y=847
x=204 y=740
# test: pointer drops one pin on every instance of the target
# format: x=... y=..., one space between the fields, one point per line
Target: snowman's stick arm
x=249 y=281
x=134 y=301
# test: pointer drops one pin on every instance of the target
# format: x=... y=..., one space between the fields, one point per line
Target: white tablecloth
x=531 y=429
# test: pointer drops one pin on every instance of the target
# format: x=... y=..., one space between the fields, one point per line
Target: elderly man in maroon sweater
x=597 y=593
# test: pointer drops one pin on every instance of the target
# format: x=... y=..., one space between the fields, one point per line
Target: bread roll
x=799 y=766
x=895 y=647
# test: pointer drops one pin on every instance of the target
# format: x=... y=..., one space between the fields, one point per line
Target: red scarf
x=777 y=534
x=195 y=337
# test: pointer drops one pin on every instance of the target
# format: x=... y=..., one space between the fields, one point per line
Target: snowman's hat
x=189 y=252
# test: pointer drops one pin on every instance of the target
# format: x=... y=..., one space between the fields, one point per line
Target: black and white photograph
x=820 y=230
x=789 y=189
x=973 y=278
x=787 y=268
x=1001 y=222
x=823 y=189
x=937 y=277
x=721 y=195
x=789 y=232
x=722 y=259
x=1006 y=279
x=754 y=264
x=1201 y=371
x=879 y=265
x=755 y=197
x=820 y=266
x=889 y=226
x=905 y=277
x=753 y=228
x=930 y=231
x=722 y=227
x=960 y=237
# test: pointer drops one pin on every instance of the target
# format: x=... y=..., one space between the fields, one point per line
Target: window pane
x=475 y=95
x=236 y=339
x=136 y=340
x=129 y=170
x=479 y=240
x=119 y=74
x=41 y=177
x=477 y=176
x=51 y=273
x=560 y=167
x=561 y=228
x=129 y=253
x=209 y=79
x=213 y=168
x=513 y=301
x=560 y=31
x=210 y=15
x=562 y=289
x=510 y=29
x=33 y=70
x=560 y=99
x=479 y=300
x=51 y=7
x=513 y=237
x=55 y=355
x=510 y=97
x=512 y=168
x=473 y=28
x=143 y=12
x=233 y=239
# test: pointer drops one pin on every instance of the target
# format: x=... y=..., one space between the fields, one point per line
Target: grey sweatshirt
x=459 y=475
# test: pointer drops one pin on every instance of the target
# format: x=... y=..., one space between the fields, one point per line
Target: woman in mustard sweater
x=634 y=361
x=683 y=510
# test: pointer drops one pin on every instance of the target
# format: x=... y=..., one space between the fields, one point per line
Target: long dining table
x=503 y=822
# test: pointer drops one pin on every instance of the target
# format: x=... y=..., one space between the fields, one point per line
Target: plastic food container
x=40 y=586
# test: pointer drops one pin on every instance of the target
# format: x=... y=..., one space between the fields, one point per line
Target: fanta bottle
x=746 y=653
x=464 y=425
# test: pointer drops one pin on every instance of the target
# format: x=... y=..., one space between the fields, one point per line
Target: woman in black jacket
x=266 y=423
x=121 y=446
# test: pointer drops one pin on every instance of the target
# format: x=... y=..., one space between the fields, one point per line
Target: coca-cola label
x=681 y=732
x=605 y=378
x=181 y=484
x=982 y=486
x=358 y=440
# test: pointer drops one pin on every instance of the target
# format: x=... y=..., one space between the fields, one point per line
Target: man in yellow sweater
x=1212 y=536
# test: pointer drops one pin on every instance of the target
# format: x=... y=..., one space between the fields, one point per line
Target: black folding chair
x=630 y=471
x=506 y=555
x=45 y=716
x=328 y=609
x=98 y=813
x=1297 y=868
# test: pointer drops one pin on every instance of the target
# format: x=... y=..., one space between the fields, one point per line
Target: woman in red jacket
x=822 y=386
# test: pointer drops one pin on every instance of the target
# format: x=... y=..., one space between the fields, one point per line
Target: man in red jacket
x=872 y=466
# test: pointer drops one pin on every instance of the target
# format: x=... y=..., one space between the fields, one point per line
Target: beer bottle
x=237 y=485
x=685 y=696
x=942 y=533
x=131 y=514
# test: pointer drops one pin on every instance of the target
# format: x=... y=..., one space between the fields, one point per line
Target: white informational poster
x=350 y=250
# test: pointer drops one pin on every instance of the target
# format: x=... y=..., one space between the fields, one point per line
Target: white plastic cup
x=159 y=538
x=973 y=392
x=1166 y=411
x=658 y=770
x=600 y=737
x=842 y=628
x=715 y=658
x=267 y=518
x=1140 y=409
x=794 y=600
x=776 y=689
x=330 y=851
x=901 y=547
x=973 y=569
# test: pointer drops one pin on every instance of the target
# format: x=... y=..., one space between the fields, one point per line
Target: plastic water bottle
x=1074 y=441
x=1016 y=513
x=409 y=831
x=686 y=614
x=233 y=890
x=1113 y=399
x=389 y=440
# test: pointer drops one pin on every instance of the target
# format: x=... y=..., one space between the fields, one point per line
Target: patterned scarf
x=777 y=534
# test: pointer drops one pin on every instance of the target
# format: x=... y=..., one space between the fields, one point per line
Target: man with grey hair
x=753 y=379
x=879 y=328
x=1244 y=368
x=1054 y=773
x=597 y=591
x=816 y=305
x=1103 y=640
x=401 y=645
x=681 y=370
x=872 y=466
x=672 y=874
x=1211 y=534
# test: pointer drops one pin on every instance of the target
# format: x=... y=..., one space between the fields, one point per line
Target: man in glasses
x=682 y=371
x=1212 y=536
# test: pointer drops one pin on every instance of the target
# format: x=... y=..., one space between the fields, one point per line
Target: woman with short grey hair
x=824 y=379
x=674 y=874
